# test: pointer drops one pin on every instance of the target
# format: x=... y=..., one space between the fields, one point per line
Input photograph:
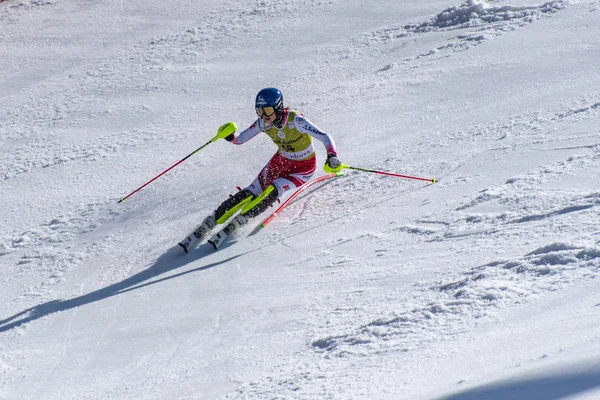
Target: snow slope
x=483 y=285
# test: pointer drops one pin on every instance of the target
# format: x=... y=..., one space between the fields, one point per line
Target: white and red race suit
x=295 y=162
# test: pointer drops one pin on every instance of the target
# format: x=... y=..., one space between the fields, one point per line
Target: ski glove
x=227 y=131
x=333 y=164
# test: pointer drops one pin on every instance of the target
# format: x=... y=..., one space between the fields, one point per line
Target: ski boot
x=223 y=213
x=199 y=233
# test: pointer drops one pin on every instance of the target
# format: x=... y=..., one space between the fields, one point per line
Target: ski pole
x=293 y=196
x=432 y=180
x=224 y=131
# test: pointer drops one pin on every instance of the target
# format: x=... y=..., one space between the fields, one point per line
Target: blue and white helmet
x=269 y=97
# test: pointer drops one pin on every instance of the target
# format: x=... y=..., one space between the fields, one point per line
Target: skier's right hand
x=227 y=131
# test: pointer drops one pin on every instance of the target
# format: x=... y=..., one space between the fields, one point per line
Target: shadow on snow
x=169 y=261
x=545 y=387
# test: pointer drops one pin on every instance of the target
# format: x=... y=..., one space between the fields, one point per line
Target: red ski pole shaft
x=296 y=193
x=167 y=170
x=432 y=180
x=225 y=131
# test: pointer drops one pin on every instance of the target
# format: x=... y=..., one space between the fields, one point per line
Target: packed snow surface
x=483 y=285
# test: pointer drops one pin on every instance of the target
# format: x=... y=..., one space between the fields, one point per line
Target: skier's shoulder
x=296 y=116
x=304 y=125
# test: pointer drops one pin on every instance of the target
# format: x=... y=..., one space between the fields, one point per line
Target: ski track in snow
x=483 y=289
x=444 y=309
x=477 y=294
x=449 y=307
x=47 y=249
x=17 y=5
x=63 y=104
x=480 y=20
x=534 y=127
x=61 y=229
x=457 y=302
x=67 y=108
x=55 y=107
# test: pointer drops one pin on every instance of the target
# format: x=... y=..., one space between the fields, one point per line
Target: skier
x=292 y=166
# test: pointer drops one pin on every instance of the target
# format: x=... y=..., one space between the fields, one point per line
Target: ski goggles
x=265 y=111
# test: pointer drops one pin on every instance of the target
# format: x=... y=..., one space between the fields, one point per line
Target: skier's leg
x=219 y=216
x=245 y=196
x=232 y=205
x=271 y=171
x=260 y=203
x=223 y=212
x=253 y=208
x=278 y=177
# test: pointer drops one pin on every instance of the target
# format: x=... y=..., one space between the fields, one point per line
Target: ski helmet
x=269 y=100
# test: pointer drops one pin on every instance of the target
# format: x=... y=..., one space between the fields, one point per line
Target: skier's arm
x=248 y=133
x=307 y=127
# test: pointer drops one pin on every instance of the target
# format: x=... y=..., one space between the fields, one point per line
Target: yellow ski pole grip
x=225 y=130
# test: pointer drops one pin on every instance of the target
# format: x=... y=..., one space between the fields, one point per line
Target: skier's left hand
x=333 y=164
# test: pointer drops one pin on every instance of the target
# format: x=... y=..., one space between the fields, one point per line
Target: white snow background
x=481 y=286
